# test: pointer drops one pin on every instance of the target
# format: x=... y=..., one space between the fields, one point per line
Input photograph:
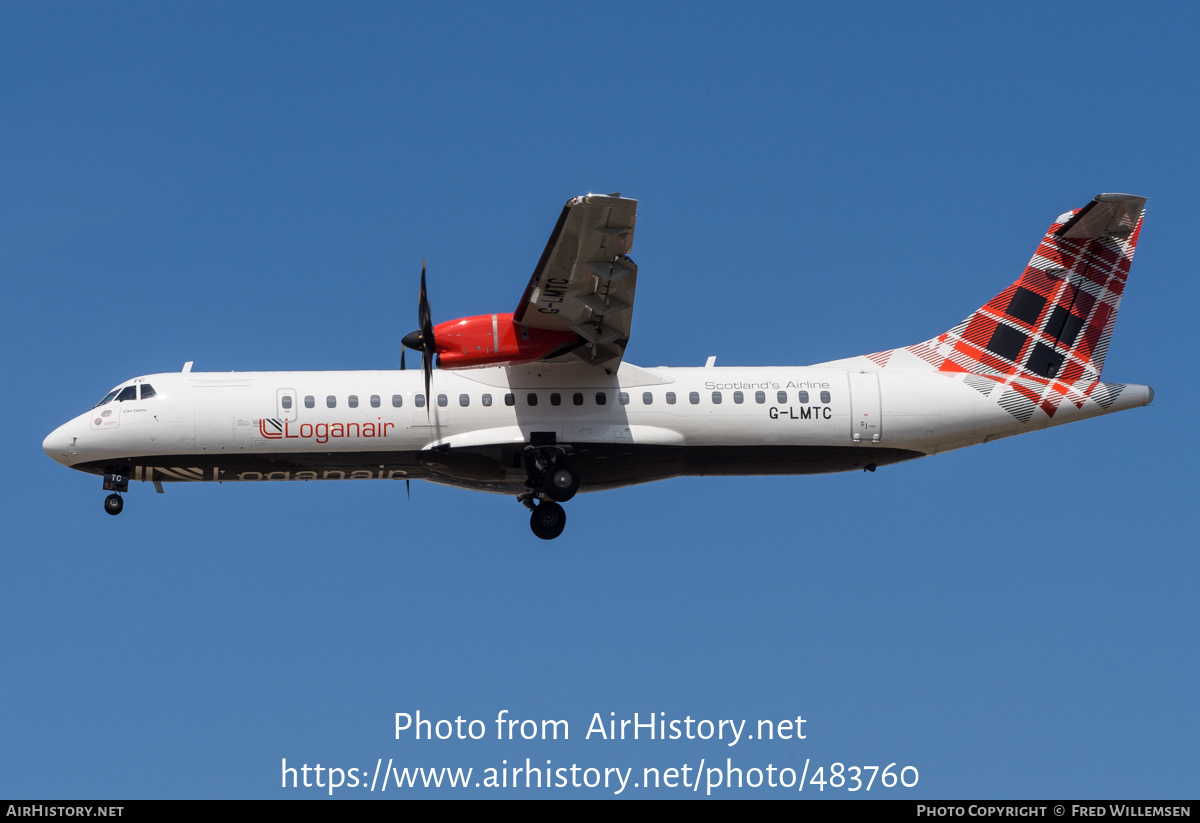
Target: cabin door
x=866 y=415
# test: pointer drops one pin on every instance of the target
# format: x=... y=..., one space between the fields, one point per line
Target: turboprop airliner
x=540 y=404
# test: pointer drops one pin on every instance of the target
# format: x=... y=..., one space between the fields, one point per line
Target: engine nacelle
x=494 y=340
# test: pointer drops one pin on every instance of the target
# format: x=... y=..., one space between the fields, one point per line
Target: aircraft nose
x=55 y=444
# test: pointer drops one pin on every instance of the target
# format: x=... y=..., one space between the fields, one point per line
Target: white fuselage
x=375 y=424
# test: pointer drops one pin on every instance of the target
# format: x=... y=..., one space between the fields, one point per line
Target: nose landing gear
x=115 y=480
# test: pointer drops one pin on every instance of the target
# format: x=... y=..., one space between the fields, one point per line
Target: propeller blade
x=423 y=313
x=402 y=358
x=428 y=345
x=407 y=489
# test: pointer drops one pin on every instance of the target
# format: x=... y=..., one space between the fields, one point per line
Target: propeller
x=422 y=339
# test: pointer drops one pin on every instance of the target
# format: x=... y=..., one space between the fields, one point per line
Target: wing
x=584 y=281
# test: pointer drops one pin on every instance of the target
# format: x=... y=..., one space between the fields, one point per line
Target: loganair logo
x=272 y=428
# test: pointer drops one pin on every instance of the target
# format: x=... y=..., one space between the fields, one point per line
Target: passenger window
x=487 y=400
x=555 y=399
x=760 y=397
x=309 y=401
x=623 y=398
x=148 y=392
x=331 y=402
x=781 y=397
x=824 y=397
x=531 y=398
x=510 y=400
x=647 y=398
x=398 y=400
x=694 y=398
x=286 y=402
x=352 y=401
x=419 y=400
x=127 y=393
x=375 y=401
x=803 y=397
x=716 y=398
x=464 y=400
x=577 y=398
x=738 y=397
x=443 y=401
x=601 y=398
x=670 y=398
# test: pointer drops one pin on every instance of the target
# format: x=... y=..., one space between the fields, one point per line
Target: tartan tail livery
x=1041 y=342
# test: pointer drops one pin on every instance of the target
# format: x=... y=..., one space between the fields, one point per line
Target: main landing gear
x=552 y=480
x=113 y=504
x=547 y=519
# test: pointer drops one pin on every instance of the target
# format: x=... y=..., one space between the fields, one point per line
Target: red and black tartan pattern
x=1042 y=341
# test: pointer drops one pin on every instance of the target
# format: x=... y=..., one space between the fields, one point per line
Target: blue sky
x=254 y=187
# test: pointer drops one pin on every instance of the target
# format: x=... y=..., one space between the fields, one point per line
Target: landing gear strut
x=552 y=480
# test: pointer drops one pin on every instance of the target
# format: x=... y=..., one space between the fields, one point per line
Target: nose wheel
x=113 y=504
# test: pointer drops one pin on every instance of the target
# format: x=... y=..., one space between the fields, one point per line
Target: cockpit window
x=127 y=393
x=148 y=391
x=107 y=398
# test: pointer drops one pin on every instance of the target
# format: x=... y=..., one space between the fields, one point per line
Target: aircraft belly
x=500 y=469
x=243 y=466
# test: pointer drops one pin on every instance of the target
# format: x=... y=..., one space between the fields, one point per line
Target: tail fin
x=1046 y=335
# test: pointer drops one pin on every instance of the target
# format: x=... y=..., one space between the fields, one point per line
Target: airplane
x=540 y=403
